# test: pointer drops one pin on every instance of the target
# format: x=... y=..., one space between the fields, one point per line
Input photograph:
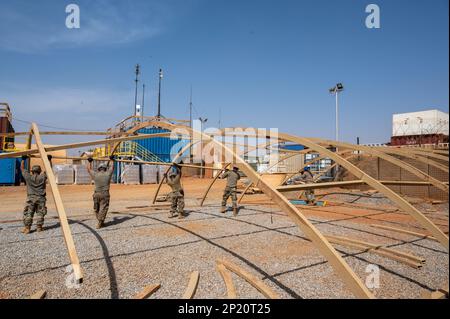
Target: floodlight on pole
x=159 y=93
x=335 y=90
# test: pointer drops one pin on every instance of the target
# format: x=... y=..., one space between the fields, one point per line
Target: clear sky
x=257 y=63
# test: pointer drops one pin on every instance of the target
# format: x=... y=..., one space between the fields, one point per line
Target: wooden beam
x=84 y=144
x=212 y=183
x=391 y=159
x=408 y=259
x=404 y=231
x=67 y=235
x=40 y=294
x=252 y=280
x=192 y=285
x=147 y=291
x=60 y=133
x=420 y=158
x=290 y=188
x=226 y=276
x=161 y=181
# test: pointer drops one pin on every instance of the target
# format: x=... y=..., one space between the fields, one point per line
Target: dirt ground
x=140 y=236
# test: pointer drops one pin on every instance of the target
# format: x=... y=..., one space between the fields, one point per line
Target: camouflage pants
x=34 y=204
x=310 y=195
x=101 y=205
x=229 y=191
x=177 y=200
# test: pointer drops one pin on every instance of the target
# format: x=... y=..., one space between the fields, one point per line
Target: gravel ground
x=142 y=247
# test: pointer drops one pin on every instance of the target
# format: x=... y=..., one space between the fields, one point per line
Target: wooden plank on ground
x=40 y=294
x=252 y=280
x=192 y=285
x=404 y=231
x=147 y=291
x=226 y=276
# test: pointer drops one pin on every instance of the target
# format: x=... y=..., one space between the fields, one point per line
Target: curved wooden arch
x=178 y=155
x=421 y=158
x=289 y=175
x=205 y=194
x=359 y=174
x=413 y=170
x=316 y=159
x=212 y=183
x=353 y=282
x=429 y=154
x=336 y=261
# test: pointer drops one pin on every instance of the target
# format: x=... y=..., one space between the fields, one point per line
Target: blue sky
x=261 y=63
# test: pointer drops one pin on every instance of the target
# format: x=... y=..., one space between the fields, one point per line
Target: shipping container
x=8 y=171
x=163 y=147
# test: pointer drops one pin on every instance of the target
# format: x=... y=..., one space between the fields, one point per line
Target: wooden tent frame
x=319 y=241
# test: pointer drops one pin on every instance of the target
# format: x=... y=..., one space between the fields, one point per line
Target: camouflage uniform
x=307 y=177
x=36 y=198
x=230 y=190
x=176 y=196
x=102 y=181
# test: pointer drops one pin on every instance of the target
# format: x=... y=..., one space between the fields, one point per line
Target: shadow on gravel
x=266 y=275
x=109 y=264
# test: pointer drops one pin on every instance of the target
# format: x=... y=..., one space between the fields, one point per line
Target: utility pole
x=335 y=90
x=159 y=93
x=190 y=125
x=137 y=71
x=143 y=98
x=202 y=121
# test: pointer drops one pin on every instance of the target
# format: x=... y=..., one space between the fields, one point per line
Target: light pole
x=201 y=144
x=159 y=93
x=335 y=90
x=137 y=71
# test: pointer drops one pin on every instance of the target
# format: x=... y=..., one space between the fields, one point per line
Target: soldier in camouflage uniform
x=101 y=197
x=230 y=190
x=176 y=196
x=36 y=196
x=306 y=177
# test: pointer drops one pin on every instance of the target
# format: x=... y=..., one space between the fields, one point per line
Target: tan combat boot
x=26 y=230
x=39 y=228
x=180 y=215
x=235 y=211
x=223 y=210
x=99 y=224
